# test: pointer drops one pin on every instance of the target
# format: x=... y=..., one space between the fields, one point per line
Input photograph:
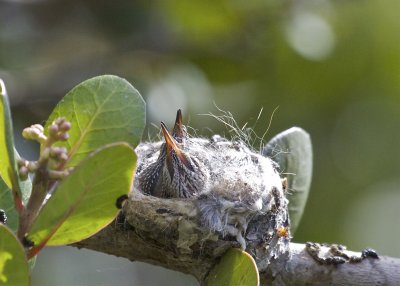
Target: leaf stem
x=39 y=192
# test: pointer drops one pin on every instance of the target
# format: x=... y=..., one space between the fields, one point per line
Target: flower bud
x=65 y=126
x=38 y=127
x=63 y=136
x=23 y=173
x=32 y=166
x=53 y=130
x=63 y=157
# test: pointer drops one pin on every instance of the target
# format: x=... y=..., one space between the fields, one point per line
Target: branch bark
x=165 y=232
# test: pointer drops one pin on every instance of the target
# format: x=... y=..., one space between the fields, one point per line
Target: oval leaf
x=292 y=150
x=236 y=267
x=102 y=110
x=8 y=165
x=7 y=204
x=84 y=202
x=14 y=269
x=7 y=200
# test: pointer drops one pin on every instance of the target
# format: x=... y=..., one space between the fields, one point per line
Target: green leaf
x=14 y=269
x=84 y=202
x=7 y=200
x=102 y=110
x=8 y=165
x=236 y=267
x=292 y=150
x=7 y=204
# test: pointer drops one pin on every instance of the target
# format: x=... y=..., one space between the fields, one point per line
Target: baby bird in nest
x=233 y=187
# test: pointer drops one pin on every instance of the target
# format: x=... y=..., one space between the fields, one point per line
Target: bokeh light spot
x=310 y=36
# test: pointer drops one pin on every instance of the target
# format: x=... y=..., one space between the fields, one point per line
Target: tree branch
x=301 y=269
x=165 y=232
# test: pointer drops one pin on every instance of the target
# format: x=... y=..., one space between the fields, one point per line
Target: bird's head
x=176 y=173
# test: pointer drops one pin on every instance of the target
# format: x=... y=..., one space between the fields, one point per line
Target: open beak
x=179 y=131
x=173 y=148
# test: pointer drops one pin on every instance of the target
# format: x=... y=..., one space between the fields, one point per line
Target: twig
x=165 y=232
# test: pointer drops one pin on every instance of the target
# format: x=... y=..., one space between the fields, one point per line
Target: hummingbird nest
x=238 y=194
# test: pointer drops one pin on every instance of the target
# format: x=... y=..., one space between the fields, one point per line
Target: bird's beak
x=172 y=148
x=179 y=131
x=169 y=140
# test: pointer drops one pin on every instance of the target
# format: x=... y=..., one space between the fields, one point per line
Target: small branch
x=301 y=269
x=165 y=232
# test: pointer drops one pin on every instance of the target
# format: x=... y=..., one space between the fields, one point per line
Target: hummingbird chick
x=234 y=188
x=175 y=173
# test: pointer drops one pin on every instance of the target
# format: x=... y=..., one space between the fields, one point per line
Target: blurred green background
x=332 y=67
